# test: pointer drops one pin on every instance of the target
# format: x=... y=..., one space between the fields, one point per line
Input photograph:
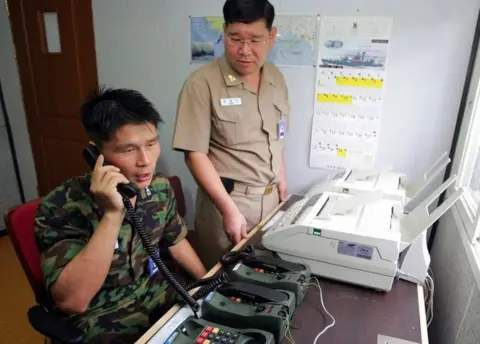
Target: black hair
x=107 y=110
x=248 y=11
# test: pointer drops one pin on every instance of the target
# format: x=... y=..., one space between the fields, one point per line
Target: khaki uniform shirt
x=221 y=116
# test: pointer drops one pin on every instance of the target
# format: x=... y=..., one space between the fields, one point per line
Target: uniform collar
x=230 y=75
x=232 y=78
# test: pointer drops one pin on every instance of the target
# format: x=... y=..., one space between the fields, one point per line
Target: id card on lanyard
x=281 y=127
x=152 y=267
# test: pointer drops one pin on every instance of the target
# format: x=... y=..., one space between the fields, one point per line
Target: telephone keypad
x=215 y=335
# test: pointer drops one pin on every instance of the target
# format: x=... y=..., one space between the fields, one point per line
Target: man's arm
x=76 y=266
x=175 y=233
x=207 y=177
x=83 y=277
x=185 y=255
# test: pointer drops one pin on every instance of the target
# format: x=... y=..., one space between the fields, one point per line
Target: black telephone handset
x=91 y=154
x=251 y=259
x=252 y=292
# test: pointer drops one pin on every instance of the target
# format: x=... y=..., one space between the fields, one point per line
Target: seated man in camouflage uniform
x=95 y=266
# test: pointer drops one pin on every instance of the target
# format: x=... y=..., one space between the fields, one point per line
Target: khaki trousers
x=211 y=241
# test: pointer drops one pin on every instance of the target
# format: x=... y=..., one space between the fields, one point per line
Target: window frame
x=468 y=147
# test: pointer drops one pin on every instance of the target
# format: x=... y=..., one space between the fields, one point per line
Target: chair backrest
x=19 y=221
x=179 y=196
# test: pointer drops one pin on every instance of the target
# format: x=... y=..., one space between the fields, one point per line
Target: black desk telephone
x=91 y=154
x=263 y=267
x=243 y=305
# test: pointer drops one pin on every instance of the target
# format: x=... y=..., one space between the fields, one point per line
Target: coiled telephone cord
x=232 y=257
x=216 y=282
x=223 y=277
x=140 y=228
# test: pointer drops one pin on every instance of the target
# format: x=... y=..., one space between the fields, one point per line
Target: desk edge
x=422 y=315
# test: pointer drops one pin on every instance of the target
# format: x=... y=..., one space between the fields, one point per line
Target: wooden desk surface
x=361 y=314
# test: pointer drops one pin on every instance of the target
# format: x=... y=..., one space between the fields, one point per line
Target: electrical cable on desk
x=288 y=333
x=405 y=274
x=317 y=284
x=428 y=292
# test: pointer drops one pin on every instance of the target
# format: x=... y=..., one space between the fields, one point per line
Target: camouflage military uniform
x=65 y=221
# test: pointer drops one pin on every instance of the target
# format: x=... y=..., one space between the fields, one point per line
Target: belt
x=255 y=190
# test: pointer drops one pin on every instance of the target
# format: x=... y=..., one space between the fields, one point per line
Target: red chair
x=182 y=210
x=19 y=222
x=179 y=196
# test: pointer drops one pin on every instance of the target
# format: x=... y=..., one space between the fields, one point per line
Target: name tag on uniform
x=282 y=128
x=116 y=244
x=230 y=101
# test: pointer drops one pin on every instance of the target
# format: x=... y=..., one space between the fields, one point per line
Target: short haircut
x=248 y=11
x=107 y=110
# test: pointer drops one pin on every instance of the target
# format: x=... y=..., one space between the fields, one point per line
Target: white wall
x=145 y=45
x=14 y=104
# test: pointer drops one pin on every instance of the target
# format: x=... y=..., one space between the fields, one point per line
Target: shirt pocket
x=231 y=124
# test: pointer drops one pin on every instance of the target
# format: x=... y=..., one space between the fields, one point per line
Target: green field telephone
x=201 y=331
x=262 y=267
x=244 y=305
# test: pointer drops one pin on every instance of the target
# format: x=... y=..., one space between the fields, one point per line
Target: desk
x=361 y=314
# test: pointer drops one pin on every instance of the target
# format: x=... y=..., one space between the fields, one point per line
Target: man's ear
x=224 y=31
x=273 y=36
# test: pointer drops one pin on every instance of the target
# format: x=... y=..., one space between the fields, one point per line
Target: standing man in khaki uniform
x=231 y=121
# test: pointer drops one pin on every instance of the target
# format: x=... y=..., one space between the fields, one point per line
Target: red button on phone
x=204 y=334
x=199 y=340
x=209 y=329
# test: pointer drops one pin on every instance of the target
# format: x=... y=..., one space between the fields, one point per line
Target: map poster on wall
x=351 y=74
x=295 y=43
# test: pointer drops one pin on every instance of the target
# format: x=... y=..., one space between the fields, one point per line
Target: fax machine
x=364 y=238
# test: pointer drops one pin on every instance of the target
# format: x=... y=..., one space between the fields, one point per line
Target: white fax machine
x=364 y=238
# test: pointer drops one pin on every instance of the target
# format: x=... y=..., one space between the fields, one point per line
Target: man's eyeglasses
x=254 y=42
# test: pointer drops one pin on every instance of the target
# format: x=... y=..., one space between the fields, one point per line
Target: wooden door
x=55 y=50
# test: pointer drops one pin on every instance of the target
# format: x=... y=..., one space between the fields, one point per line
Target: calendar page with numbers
x=350 y=82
